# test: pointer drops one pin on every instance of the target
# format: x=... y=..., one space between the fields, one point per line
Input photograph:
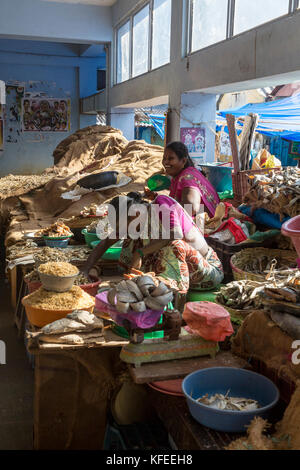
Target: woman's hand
x=137 y=261
x=151 y=195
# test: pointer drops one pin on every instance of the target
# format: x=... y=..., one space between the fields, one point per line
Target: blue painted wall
x=57 y=71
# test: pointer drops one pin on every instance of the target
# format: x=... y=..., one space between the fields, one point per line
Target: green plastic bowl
x=113 y=253
x=90 y=237
x=158 y=183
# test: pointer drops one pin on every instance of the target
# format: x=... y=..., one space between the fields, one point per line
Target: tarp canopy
x=158 y=122
x=276 y=118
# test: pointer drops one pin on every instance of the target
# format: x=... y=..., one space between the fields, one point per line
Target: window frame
x=129 y=19
x=116 y=34
x=293 y=8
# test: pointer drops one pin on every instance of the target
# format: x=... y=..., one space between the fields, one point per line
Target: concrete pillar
x=198 y=110
x=123 y=119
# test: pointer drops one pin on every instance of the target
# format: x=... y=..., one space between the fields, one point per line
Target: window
x=161 y=36
x=140 y=61
x=123 y=50
x=101 y=79
x=249 y=14
x=144 y=41
x=209 y=22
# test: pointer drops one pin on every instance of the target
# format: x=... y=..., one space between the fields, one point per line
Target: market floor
x=16 y=383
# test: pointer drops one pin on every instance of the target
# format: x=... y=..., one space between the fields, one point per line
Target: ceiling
x=103 y=3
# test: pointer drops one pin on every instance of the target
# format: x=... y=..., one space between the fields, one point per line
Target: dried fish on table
x=241 y=295
x=225 y=402
x=59 y=229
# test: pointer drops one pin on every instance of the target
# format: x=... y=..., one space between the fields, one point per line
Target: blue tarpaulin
x=158 y=122
x=276 y=118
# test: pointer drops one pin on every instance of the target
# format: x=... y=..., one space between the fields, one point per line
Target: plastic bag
x=208 y=320
x=265 y=160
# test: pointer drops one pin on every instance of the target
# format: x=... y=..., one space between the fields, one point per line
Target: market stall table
x=73 y=385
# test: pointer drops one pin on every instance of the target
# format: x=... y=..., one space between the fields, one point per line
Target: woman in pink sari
x=189 y=185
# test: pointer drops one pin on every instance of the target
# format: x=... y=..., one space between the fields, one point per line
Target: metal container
x=57 y=283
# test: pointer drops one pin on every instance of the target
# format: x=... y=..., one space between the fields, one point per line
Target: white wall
x=55 y=21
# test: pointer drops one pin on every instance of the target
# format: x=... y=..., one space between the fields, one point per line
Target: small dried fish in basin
x=225 y=402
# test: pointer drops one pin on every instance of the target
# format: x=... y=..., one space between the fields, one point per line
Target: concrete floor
x=16 y=383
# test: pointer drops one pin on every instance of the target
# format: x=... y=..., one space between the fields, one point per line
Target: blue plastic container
x=219 y=176
x=57 y=243
x=239 y=383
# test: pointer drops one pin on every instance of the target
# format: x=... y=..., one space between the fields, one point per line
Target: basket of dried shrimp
x=259 y=264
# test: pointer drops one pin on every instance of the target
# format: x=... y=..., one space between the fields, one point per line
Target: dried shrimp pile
x=74 y=299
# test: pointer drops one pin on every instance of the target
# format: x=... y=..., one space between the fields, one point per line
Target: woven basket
x=245 y=256
x=241 y=183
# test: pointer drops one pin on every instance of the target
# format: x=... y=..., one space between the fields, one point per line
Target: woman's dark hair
x=129 y=199
x=182 y=152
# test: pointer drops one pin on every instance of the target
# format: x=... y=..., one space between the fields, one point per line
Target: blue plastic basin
x=57 y=243
x=219 y=176
x=240 y=383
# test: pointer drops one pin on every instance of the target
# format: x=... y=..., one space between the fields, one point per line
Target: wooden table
x=184 y=431
x=73 y=386
x=171 y=370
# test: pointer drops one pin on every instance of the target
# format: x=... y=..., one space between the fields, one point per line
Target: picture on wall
x=46 y=115
x=194 y=139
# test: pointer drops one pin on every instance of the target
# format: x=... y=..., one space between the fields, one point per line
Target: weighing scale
x=176 y=344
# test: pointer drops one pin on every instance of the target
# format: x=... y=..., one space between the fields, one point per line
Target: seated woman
x=189 y=185
x=166 y=242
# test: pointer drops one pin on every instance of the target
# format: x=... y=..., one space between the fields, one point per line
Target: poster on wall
x=13 y=114
x=46 y=115
x=195 y=140
x=225 y=147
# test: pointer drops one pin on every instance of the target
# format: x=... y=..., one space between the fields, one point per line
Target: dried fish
x=225 y=402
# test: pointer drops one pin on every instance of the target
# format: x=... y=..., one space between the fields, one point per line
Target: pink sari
x=192 y=178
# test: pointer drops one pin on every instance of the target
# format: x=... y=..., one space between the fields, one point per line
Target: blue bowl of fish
x=230 y=398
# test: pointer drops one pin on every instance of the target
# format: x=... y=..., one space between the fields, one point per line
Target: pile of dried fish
x=92 y=228
x=59 y=229
x=47 y=254
x=79 y=327
x=225 y=402
x=138 y=294
x=15 y=185
x=278 y=192
x=247 y=294
x=266 y=263
x=20 y=249
x=32 y=276
x=95 y=211
x=241 y=295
